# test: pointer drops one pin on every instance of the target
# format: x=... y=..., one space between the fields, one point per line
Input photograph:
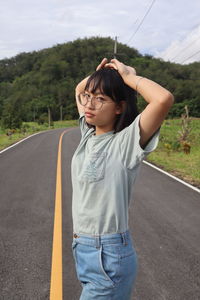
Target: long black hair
x=110 y=83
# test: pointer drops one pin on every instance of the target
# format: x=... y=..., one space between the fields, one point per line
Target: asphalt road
x=164 y=220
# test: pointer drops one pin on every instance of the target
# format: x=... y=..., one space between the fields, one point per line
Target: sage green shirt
x=104 y=168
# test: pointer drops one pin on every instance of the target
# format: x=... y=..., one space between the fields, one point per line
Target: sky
x=170 y=30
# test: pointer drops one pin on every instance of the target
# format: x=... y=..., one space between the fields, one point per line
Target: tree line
x=40 y=85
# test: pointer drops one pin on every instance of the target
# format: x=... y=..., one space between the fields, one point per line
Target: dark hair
x=110 y=83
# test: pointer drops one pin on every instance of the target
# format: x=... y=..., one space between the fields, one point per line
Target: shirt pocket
x=93 y=169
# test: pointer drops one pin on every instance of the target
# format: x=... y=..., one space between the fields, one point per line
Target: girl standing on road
x=114 y=141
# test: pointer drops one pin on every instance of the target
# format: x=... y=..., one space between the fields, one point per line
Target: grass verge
x=29 y=128
x=170 y=156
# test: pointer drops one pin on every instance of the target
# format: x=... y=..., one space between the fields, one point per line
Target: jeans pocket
x=110 y=263
x=93 y=167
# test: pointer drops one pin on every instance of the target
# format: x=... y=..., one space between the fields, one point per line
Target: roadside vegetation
x=177 y=156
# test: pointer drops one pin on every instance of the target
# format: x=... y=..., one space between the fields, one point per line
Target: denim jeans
x=106 y=265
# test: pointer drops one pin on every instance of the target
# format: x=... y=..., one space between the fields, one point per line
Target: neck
x=100 y=130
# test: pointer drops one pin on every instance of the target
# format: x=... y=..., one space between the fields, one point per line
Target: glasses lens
x=83 y=99
x=97 y=103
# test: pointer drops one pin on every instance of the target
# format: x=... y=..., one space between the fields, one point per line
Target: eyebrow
x=97 y=93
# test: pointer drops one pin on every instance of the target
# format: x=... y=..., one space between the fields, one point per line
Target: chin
x=90 y=122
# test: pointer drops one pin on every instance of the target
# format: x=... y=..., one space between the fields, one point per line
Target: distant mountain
x=33 y=84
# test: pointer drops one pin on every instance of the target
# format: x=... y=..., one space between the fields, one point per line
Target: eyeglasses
x=96 y=101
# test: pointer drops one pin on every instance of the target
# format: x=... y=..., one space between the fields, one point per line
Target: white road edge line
x=172 y=176
x=15 y=144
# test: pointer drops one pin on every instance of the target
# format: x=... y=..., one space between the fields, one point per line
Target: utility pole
x=115 y=48
x=115 y=54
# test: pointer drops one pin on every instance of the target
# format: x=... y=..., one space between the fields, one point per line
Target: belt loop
x=124 y=238
x=97 y=241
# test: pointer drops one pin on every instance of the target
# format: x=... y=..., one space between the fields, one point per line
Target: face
x=104 y=117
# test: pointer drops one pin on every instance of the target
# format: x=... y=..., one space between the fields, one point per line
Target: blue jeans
x=106 y=265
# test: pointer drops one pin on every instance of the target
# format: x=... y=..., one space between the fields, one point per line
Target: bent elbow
x=168 y=99
x=171 y=99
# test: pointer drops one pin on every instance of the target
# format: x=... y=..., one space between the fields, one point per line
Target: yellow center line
x=56 y=288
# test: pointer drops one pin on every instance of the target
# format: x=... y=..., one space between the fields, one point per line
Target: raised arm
x=159 y=102
x=79 y=89
x=158 y=98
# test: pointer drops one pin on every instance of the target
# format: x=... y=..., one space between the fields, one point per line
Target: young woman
x=114 y=141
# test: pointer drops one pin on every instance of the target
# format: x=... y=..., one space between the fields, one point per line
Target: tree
x=11 y=116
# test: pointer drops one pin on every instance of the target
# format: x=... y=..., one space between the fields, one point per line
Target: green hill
x=37 y=83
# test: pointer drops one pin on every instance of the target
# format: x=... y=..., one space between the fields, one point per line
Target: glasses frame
x=91 y=99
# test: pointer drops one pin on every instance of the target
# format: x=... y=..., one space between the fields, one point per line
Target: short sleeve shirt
x=104 y=168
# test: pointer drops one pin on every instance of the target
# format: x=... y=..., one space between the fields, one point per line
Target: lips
x=89 y=114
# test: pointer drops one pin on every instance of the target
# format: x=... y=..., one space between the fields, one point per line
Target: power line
x=185 y=48
x=190 y=57
x=134 y=33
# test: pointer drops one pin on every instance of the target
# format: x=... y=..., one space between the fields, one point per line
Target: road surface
x=164 y=221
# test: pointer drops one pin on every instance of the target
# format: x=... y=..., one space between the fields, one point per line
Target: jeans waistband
x=97 y=240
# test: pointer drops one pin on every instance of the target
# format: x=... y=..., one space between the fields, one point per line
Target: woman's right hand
x=102 y=64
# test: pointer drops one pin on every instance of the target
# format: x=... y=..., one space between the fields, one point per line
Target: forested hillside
x=33 y=85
